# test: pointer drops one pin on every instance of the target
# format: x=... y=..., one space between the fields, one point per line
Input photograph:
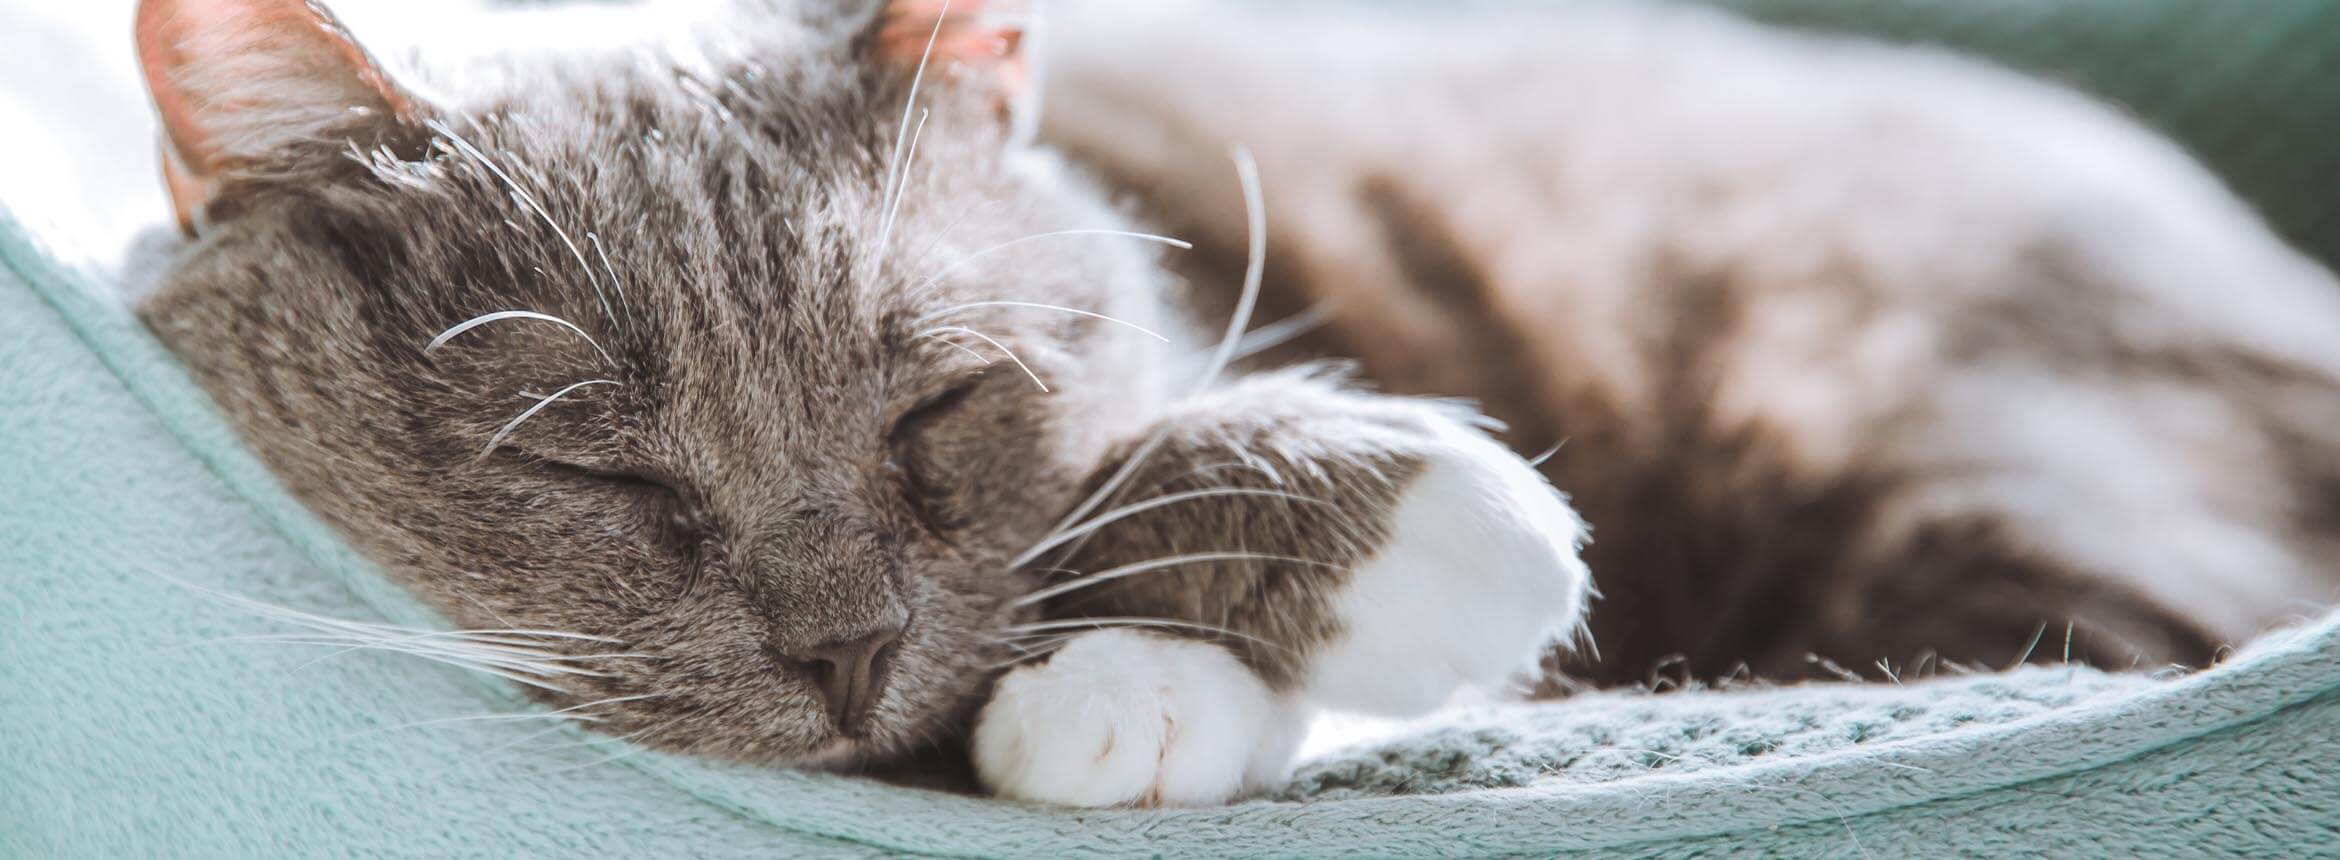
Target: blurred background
x=2251 y=87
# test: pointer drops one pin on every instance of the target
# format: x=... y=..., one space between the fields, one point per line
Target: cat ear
x=987 y=43
x=237 y=82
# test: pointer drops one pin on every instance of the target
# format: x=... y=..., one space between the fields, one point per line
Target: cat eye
x=926 y=490
x=627 y=481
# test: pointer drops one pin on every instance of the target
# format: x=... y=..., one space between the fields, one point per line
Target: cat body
x=821 y=416
x=1862 y=354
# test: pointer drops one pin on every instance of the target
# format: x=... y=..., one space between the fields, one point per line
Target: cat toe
x=1479 y=577
x=1123 y=718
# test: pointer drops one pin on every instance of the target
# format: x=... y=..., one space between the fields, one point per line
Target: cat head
x=757 y=373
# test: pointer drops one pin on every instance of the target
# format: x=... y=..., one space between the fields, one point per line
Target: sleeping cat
x=827 y=416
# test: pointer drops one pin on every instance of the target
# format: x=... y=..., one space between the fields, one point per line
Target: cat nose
x=850 y=672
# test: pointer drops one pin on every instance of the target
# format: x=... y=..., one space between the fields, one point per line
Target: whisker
x=465 y=637
x=901 y=185
x=1180 y=244
x=313 y=620
x=530 y=662
x=962 y=348
x=1254 y=267
x=1538 y=461
x=1135 y=508
x=511 y=663
x=1155 y=564
x=564 y=714
x=1277 y=333
x=1011 y=354
x=615 y=282
x=1113 y=484
x=1110 y=622
x=629 y=752
x=932 y=244
x=499 y=316
x=530 y=201
x=1008 y=304
x=1027 y=653
x=514 y=424
x=909 y=101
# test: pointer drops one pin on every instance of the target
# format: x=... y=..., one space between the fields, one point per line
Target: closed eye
x=630 y=481
x=928 y=411
x=924 y=484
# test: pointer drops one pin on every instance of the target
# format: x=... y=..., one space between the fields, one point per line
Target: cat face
x=748 y=381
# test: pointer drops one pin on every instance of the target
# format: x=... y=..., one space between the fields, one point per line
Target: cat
x=779 y=391
x=828 y=417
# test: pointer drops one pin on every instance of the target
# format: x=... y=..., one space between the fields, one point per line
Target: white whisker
x=527 y=661
x=629 y=752
x=1008 y=304
x=909 y=102
x=1011 y=355
x=1103 y=623
x=499 y=316
x=1256 y=212
x=478 y=651
x=514 y=424
x=1538 y=461
x=530 y=201
x=564 y=714
x=1180 y=244
x=1277 y=333
x=1254 y=267
x=963 y=348
x=1113 y=484
x=615 y=282
x=1135 y=508
x=901 y=185
x=1109 y=575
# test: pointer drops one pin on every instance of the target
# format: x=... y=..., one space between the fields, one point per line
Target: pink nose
x=850 y=673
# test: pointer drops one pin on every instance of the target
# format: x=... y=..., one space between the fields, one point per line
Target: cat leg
x=1347 y=550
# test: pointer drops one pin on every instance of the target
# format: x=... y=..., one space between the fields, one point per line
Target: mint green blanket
x=138 y=716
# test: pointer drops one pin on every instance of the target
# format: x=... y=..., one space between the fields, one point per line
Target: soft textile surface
x=140 y=719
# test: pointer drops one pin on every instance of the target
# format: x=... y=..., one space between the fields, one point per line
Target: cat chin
x=837 y=754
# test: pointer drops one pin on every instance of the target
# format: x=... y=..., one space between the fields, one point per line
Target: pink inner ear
x=975 y=35
x=224 y=44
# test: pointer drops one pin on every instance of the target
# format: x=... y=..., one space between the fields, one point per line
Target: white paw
x=1122 y=718
x=1479 y=578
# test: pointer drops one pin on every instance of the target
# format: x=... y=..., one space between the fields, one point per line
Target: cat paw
x=1123 y=718
x=1479 y=578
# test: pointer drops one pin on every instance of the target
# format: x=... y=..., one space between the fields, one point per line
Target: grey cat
x=834 y=419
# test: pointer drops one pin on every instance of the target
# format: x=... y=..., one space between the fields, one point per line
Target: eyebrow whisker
x=514 y=424
x=1042 y=306
x=499 y=316
x=614 y=281
x=1254 y=268
x=1011 y=354
x=473 y=152
x=963 y=348
x=1172 y=241
x=910 y=101
x=901 y=184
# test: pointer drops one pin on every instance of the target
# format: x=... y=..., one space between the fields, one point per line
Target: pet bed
x=143 y=718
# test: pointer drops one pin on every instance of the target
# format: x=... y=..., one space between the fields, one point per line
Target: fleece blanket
x=146 y=711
